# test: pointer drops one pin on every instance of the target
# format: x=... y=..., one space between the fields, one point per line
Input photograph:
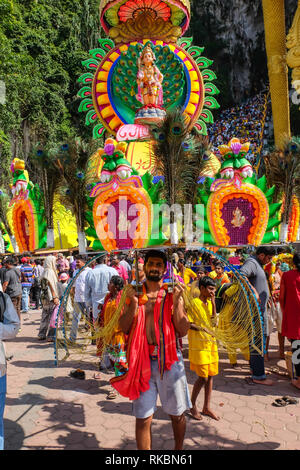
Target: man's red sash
x=136 y=380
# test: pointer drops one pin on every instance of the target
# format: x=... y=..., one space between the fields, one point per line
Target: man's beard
x=154 y=276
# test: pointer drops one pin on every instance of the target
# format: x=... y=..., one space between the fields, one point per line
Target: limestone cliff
x=232 y=32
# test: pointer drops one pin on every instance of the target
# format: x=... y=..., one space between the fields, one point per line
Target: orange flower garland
x=249 y=192
x=27 y=208
x=136 y=196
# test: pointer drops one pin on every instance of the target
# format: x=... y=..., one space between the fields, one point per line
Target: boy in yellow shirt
x=203 y=351
x=219 y=275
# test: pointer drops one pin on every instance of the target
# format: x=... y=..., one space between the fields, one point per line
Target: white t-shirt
x=80 y=285
x=96 y=285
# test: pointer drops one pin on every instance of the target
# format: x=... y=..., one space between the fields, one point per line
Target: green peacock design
x=124 y=76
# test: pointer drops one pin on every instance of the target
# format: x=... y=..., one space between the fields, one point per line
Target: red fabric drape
x=136 y=380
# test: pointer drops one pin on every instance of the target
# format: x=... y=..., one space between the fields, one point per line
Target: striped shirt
x=26 y=275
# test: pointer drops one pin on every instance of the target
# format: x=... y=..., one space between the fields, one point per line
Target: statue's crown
x=146 y=49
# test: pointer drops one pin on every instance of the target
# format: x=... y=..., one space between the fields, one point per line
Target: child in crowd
x=219 y=276
x=203 y=351
x=187 y=274
x=116 y=347
x=63 y=279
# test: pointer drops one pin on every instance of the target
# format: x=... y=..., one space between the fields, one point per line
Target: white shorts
x=172 y=390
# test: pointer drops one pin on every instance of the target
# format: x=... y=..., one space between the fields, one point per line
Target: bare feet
x=263 y=382
x=195 y=413
x=296 y=383
x=211 y=414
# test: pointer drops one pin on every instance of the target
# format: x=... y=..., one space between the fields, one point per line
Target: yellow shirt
x=188 y=275
x=202 y=346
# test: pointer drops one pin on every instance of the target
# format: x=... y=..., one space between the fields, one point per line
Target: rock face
x=232 y=32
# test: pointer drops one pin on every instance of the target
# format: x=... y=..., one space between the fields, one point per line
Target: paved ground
x=47 y=409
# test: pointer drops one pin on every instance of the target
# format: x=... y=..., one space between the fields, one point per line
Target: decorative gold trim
x=144 y=26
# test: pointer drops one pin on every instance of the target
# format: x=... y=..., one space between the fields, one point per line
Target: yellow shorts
x=205 y=370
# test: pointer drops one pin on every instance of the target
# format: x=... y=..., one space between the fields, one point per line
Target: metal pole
x=59 y=234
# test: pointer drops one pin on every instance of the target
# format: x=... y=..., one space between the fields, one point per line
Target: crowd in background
x=34 y=283
x=245 y=122
x=94 y=296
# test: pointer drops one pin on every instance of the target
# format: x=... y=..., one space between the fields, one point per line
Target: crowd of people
x=246 y=121
x=145 y=349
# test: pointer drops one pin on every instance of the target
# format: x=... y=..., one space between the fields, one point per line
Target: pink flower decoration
x=236 y=147
x=109 y=149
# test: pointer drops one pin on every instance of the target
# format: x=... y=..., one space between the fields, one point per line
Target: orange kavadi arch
x=25 y=225
x=227 y=192
x=106 y=197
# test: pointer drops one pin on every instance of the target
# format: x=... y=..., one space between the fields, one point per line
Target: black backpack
x=2 y=306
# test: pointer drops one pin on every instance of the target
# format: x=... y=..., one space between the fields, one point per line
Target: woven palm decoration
x=239 y=324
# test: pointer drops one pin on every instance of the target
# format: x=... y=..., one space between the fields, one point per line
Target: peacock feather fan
x=73 y=160
x=179 y=157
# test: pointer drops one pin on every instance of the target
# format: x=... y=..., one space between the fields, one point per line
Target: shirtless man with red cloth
x=153 y=322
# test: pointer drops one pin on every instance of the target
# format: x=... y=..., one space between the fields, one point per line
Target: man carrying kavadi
x=154 y=321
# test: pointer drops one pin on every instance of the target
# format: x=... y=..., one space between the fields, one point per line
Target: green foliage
x=73 y=162
x=42 y=44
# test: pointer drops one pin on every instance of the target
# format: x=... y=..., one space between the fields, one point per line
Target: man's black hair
x=9 y=260
x=118 y=282
x=101 y=259
x=218 y=264
x=81 y=258
x=207 y=281
x=156 y=254
x=200 y=269
x=296 y=261
x=266 y=250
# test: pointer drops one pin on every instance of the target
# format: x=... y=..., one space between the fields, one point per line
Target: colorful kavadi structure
x=28 y=215
x=142 y=70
